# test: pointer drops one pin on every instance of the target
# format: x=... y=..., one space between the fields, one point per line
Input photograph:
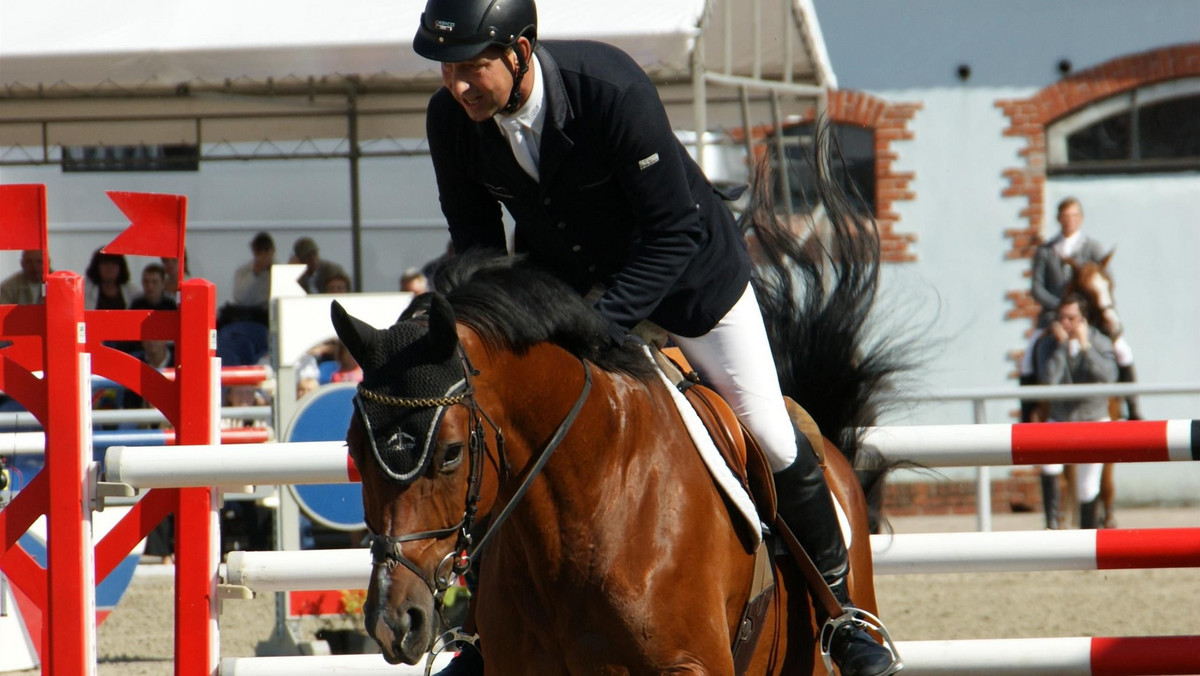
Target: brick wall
x=1028 y=119
x=889 y=121
x=1022 y=492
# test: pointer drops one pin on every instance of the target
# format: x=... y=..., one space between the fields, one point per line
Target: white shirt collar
x=1069 y=246
x=532 y=114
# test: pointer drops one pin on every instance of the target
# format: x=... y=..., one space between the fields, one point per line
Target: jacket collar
x=555 y=142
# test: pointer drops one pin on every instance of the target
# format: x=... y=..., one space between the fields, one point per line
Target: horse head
x=409 y=438
x=1095 y=283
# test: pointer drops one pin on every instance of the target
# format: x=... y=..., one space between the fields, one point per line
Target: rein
x=387 y=550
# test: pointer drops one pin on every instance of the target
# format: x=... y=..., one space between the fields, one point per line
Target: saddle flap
x=735 y=443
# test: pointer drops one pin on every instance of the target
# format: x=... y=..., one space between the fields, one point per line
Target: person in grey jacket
x=1050 y=270
x=1073 y=351
x=572 y=139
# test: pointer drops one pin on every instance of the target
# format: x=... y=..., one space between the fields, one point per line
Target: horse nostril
x=416 y=620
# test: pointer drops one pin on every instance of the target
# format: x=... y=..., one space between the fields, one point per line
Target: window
x=1155 y=128
x=178 y=157
x=852 y=162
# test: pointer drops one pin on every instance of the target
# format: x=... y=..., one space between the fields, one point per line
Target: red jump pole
x=69 y=629
x=197 y=545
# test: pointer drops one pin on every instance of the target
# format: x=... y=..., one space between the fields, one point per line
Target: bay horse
x=495 y=415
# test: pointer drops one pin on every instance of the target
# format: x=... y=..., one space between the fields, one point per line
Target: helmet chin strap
x=514 y=98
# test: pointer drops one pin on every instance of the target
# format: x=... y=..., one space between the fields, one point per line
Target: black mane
x=514 y=305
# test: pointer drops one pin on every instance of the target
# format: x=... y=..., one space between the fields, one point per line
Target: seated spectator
x=26 y=286
x=154 y=286
x=348 y=370
x=106 y=285
x=171 y=265
x=252 y=281
x=317 y=271
x=338 y=283
x=414 y=281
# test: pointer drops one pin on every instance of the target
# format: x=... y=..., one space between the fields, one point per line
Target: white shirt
x=1067 y=247
x=523 y=129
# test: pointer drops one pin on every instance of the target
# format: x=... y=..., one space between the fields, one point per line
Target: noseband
x=387 y=550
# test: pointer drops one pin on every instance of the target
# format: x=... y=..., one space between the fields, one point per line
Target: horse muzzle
x=400 y=618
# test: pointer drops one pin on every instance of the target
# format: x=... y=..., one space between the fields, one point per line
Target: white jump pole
x=1037 y=443
x=314 y=462
x=343 y=665
x=315 y=569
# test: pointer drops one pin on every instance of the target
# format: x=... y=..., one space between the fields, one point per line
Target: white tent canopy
x=74 y=46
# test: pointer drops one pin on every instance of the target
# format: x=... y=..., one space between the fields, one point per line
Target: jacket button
x=562 y=225
x=591 y=268
x=576 y=248
x=546 y=201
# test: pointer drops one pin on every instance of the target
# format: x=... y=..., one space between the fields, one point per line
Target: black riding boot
x=1050 y=500
x=807 y=508
x=1027 y=405
x=1087 y=513
x=468 y=662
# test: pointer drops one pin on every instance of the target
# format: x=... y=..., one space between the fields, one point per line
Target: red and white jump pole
x=1038 y=443
x=1085 y=656
x=1018 y=551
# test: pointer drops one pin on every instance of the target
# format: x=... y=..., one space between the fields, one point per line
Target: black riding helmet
x=457 y=30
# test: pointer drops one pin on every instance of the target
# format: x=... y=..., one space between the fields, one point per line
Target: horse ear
x=357 y=335
x=442 y=329
x=1107 y=257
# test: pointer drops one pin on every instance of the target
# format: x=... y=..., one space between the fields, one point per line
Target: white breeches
x=734 y=358
x=1087 y=478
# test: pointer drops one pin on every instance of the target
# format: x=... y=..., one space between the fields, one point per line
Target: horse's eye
x=452 y=457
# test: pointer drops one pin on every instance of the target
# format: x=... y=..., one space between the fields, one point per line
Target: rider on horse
x=572 y=138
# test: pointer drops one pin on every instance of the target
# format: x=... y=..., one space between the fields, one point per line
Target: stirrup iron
x=864 y=620
x=446 y=641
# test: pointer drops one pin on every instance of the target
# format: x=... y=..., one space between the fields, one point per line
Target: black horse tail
x=818 y=295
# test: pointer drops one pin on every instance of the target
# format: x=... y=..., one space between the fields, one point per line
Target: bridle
x=387 y=550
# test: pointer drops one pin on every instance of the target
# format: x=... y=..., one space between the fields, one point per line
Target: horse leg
x=1070 y=511
x=1108 y=495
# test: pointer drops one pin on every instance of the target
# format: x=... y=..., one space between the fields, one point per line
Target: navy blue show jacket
x=620 y=202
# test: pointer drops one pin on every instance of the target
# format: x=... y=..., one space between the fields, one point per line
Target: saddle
x=735 y=443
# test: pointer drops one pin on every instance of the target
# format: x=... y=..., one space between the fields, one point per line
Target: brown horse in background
x=497 y=418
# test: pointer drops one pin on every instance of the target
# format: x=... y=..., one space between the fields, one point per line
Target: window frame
x=1129 y=102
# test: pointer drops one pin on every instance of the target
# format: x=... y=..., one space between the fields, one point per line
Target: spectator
x=1072 y=351
x=171 y=265
x=317 y=271
x=25 y=287
x=348 y=370
x=414 y=281
x=339 y=282
x=154 y=285
x=252 y=281
x=107 y=284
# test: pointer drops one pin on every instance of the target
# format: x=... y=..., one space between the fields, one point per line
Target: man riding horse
x=573 y=140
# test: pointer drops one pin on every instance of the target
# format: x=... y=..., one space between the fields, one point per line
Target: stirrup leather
x=863 y=620
x=447 y=641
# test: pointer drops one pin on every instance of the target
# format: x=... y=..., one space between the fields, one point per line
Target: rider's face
x=481 y=85
x=1071 y=219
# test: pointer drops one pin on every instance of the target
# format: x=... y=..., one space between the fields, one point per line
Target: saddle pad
x=729 y=484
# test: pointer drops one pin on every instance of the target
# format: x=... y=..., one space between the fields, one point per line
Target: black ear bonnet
x=412 y=372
